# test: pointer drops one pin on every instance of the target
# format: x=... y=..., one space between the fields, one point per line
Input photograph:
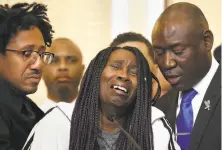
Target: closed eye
x=158 y=51
x=55 y=60
x=133 y=72
x=27 y=53
x=115 y=66
x=71 y=60
x=178 y=52
x=178 y=49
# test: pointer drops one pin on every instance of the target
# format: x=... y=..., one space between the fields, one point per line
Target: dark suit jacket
x=15 y=120
x=206 y=134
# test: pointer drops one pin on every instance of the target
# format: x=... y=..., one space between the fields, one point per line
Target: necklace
x=107 y=140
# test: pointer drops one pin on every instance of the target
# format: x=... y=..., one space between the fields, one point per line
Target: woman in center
x=114 y=108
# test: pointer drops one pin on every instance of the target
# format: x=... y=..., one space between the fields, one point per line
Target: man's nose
x=62 y=66
x=36 y=63
x=169 y=60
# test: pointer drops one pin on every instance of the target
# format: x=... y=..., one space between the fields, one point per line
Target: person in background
x=25 y=32
x=139 y=41
x=111 y=100
x=63 y=75
x=182 y=43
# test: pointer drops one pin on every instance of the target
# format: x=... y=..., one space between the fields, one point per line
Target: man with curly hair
x=25 y=32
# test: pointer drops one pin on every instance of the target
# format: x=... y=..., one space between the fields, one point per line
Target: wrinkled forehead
x=122 y=55
x=145 y=50
x=139 y=45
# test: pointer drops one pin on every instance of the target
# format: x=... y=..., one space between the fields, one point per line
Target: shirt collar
x=49 y=102
x=201 y=87
x=67 y=108
x=10 y=97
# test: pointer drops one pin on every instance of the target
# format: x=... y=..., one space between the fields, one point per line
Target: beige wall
x=138 y=12
x=212 y=11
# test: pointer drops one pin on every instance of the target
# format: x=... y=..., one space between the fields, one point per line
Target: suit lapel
x=173 y=99
x=204 y=115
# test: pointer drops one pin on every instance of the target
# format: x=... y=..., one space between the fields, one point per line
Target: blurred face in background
x=62 y=77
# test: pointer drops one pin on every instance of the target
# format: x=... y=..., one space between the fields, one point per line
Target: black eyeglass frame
x=40 y=54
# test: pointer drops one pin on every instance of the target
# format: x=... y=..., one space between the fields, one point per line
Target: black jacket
x=15 y=120
x=206 y=133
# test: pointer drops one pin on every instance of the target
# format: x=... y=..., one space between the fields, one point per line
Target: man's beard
x=65 y=93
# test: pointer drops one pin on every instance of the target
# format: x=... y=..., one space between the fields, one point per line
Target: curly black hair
x=22 y=16
x=85 y=119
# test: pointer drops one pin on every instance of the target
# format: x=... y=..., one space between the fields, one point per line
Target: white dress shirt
x=53 y=131
x=201 y=88
x=47 y=104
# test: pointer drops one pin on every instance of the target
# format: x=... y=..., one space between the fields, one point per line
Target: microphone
x=113 y=119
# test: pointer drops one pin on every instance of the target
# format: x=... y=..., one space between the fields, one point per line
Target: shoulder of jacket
x=5 y=114
x=156 y=114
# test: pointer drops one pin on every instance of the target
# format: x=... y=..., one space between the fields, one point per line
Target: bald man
x=182 y=44
x=63 y=75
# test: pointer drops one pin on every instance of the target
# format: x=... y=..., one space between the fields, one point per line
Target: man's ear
x=208 y=39
x=83 y=69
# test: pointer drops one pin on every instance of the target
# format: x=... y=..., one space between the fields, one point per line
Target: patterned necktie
x=185 y=120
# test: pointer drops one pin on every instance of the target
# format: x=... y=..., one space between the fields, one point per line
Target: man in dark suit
x=182 y=44
x=25 y=32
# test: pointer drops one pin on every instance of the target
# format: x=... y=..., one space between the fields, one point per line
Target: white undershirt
x=48 y=104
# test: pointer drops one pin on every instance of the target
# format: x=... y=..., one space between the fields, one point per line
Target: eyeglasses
x=46 y=57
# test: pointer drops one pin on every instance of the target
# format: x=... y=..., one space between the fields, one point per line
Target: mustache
x=167 y=72
x=33 y=72
x=171 y=73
